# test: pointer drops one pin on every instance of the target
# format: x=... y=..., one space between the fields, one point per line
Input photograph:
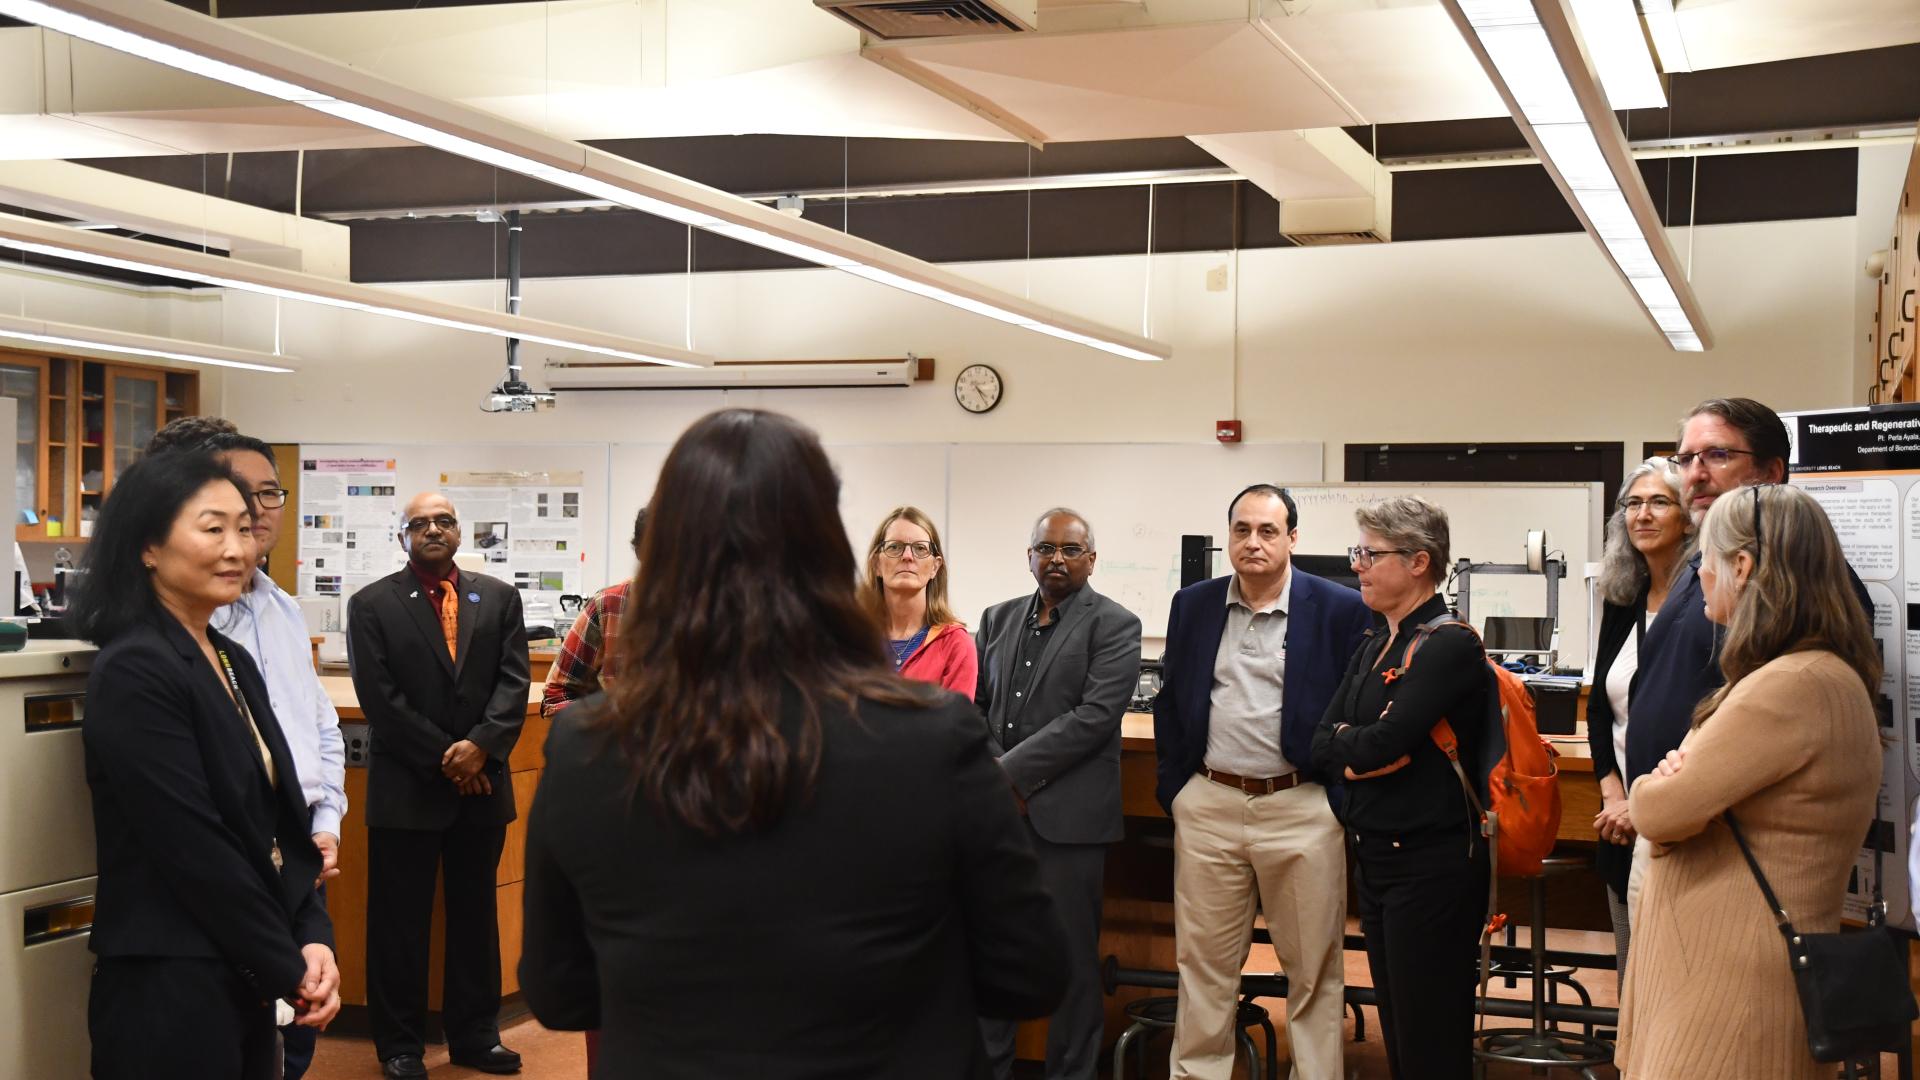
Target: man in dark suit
x=439 y=660
x=1057 y=669
x=1251 y=662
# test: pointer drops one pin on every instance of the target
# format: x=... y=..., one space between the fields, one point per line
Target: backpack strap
x=1449 y=744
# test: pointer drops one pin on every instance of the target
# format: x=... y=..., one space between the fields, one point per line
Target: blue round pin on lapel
x=473 y=598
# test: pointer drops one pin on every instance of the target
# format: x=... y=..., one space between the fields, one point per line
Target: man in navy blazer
x=1251 y=662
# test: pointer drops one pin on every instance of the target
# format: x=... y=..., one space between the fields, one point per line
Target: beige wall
x=1522 y=338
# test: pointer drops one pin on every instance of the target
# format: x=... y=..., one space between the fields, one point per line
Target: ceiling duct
x=1364 y=219
x=893 y=20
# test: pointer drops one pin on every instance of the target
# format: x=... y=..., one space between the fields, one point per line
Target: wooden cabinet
x=81 y=422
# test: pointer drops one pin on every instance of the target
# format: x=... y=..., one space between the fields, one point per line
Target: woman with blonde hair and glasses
x=1646 y=545
x=1789 y=748
x=905 y=589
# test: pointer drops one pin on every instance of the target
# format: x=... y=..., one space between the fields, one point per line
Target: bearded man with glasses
x=439 y=660
x=1725 y=444
x=1057 y=669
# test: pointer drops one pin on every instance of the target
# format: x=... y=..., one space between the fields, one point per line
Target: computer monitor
x=1519 y=633
x=1334 y=568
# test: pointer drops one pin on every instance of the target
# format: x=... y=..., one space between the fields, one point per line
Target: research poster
x=348 y=523
x=1864 y=466
x=526 y=524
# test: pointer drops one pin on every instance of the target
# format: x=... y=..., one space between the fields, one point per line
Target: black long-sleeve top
x=1370 y=723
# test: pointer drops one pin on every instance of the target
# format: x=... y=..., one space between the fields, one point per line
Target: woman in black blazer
x=762 y=854
x=206 y=913
x=1647 y=538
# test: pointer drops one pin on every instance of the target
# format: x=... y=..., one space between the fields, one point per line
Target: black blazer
x=1066 y=761
x=902 y=895
x=1325 y=623
x=418 y=702
x=184 y=819
x=1618 y=622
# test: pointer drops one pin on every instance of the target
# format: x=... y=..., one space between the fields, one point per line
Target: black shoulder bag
x=1853 y=984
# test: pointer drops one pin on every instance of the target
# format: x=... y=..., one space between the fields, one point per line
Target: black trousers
x=178 y=1018
x=1423 y=901
x=400 y=874
x=1073 y=875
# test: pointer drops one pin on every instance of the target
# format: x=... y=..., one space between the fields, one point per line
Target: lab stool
x=1153 y=1015
x=1541 y=1046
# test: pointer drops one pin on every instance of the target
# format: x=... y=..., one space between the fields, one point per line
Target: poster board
x=1863 y=465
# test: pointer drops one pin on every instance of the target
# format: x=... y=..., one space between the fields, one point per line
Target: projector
x=514 y=396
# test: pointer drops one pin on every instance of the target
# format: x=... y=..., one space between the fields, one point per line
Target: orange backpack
x=1515 y=786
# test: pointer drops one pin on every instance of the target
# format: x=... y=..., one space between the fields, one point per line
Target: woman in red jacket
x=905 y=588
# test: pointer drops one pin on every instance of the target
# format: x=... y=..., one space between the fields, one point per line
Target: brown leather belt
x=1253 y=785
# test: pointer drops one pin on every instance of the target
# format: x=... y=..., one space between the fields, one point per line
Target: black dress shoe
x=403 y=1067
x=497 y=1060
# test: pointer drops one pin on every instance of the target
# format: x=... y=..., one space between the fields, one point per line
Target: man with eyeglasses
x=1057 y=669
x=439 y=661
x=1252 y=661
x=1726 y=444
x=270 y=626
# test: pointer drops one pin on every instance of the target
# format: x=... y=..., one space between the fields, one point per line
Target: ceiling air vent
x=1366 y=219
x=895 y=19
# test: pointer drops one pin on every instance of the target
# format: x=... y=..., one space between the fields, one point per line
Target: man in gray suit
x=1057 y=670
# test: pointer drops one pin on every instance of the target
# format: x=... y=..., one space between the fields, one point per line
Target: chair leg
x=1359 y=1022
x=1273 y=1048
x=1120 y=1052
x=1253 y=1055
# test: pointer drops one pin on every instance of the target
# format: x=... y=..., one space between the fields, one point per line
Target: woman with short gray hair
x=1647 y=541
x=1423 y=863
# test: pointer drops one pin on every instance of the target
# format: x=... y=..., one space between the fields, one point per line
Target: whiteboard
x=1489 y=524
x=1139 y=498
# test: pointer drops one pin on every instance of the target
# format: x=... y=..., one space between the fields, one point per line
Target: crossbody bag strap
x=1877 y=914
x=1766 y=890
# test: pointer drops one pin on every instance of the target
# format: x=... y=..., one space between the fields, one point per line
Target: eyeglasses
x=444 y=522
x=1362 y=557
x=1067 y=551
x=893 y=549
x=1715 y=456
x=1659 y=504
x=271 y=498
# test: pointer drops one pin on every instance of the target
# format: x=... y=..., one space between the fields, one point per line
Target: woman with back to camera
x=1422 y=862
x=206 y=912
x=905 y=587
x=1790 y=748
x=762 y=853
x=1646 y=540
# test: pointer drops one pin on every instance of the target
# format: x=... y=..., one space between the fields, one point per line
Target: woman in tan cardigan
x=1791 y=746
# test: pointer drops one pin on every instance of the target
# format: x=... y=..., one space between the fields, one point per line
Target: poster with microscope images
x=348 y=524
x=525 y=524
x=1863 y=465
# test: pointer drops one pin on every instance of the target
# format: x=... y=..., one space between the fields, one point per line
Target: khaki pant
x=1286 y=851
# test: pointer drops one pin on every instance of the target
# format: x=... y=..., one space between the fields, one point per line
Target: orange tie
x=450 y=614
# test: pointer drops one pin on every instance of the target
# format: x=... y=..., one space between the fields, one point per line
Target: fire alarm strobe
x=1227 y=430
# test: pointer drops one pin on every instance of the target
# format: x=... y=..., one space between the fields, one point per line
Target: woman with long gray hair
x=1646 y=540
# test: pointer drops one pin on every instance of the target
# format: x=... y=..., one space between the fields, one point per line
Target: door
x=24 y=379
x=133 y=415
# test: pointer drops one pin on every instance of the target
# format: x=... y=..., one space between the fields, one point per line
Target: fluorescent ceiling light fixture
x=1611 y=30
x=63 y=335
x=171 y=35
x=1664 y=27
x=1534 y=53
x=121 y=253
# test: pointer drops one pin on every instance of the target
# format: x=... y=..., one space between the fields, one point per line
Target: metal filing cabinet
x=46 y=862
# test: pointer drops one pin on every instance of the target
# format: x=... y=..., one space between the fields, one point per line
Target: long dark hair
x=116 y=593
x=745 y=595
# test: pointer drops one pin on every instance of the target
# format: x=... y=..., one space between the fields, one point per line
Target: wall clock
x=978 y=388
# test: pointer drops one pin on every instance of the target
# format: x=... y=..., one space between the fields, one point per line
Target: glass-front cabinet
x=81 y=423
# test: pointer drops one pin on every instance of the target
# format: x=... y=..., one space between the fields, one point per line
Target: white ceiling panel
x=1728 y=33
x=1159 y=81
